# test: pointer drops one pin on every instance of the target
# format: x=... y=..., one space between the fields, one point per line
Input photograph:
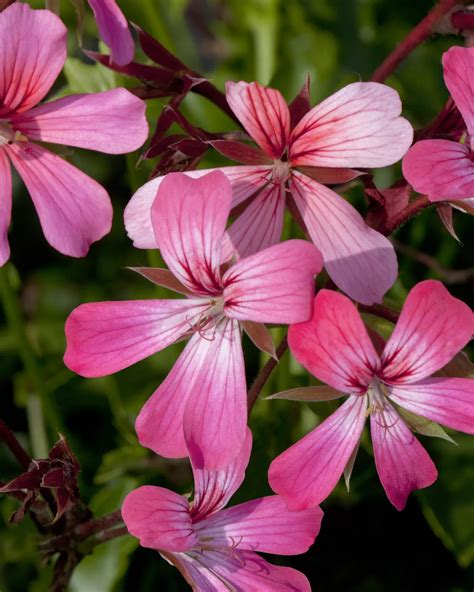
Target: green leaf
x=87 y=78
x=424 y=426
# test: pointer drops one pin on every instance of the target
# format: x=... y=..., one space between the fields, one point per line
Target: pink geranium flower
x=203 y=399
x=113 y=29
x=359 y=126
x=216 y=548
x=74 y=210
x=444 y=169
x=335 y=347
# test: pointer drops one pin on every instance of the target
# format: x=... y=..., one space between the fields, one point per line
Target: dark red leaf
x=301 y=104
x=240 y=152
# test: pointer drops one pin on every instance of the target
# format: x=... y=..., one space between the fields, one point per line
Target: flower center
x=8 y=135
x=377 y=396
x=281 y=171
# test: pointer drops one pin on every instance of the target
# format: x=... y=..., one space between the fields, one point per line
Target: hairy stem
x=15 y=447
x=414 y=207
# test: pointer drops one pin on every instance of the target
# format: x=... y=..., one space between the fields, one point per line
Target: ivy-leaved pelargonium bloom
x=74 y=210
x=359 y=126
x=113 y=29
x=335 y=346
x=215 y=548
x=203 y=398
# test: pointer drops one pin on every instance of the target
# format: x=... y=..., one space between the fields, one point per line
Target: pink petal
x=189 y=217
x=74 y=210
x=458 y=64
x=449 y=401
x=105 y=337
x=334 y=345
x=159 y=518
x=264 y=114
x=402 y=463
x=264 y=525
x=246 y=180
x=433 y=326
x=113 y=121
x=361 y=261
x=113 y=29
x=5 y=206
x=32 y=53
x=273 y=286
x=359 y=126
x=306 y=473
x=441 y=169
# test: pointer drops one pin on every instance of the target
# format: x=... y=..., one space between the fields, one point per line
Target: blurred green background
x=365 y=544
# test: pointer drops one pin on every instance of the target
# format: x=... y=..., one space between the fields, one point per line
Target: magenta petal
x=275 y=285
x=306 y=473
x=105 y=337
x=113 y=121
x=441 y=169
x=5 y=206
x=449 y=401
x=33 y=49
x=113 y=29
x=433 y=326
x=334 y=345
x=74 y=210
x=159 y=518
x=458 y=66
x=361 y=261
x=402 y=463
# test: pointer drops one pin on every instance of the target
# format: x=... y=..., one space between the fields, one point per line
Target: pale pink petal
x=264 y=114
x=159 y=518
x=334 y=345
x=433 y=326
x=5 y=206
x=361 y=261
x=213 y=489
x=449 y=401
x=306 y=473
x=246 y=181
x=264 y=525
x=273 y=286
x=402 y=463
x=105 y=337
x=33 y=49
x=458 y=66
x=189 y=217
x=359 y=126
x=441 y=169
x=112 y=121
x=74 y=210
x=196 y=573
x=113 y=29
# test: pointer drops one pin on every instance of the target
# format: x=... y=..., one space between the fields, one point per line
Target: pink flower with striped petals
x=359 y=126
x=113 y=29
x=335 y=346
x=74 y=210
x=203 y=399
x=216 y=548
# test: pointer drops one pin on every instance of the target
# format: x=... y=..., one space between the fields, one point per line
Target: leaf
x=260 y=337
x=161 y=277
x=459 y=367
x=350 y=466
x=87 y=78
x=310 y=394
x=445 y=212
x=424 y=426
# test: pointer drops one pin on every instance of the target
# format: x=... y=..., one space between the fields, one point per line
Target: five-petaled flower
x=203 y=399
x=216 y=548
x=74 y=210
x=359 y=126
x=335 y=346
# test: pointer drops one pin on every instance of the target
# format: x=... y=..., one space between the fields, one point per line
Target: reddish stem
x=15 y=447
x=265 y=373
x=420 y=203
x=380 y=311
x=91 y=527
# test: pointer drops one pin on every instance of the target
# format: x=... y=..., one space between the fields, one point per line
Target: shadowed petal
x=5 y=206
x=113 y=29
x=458 y=64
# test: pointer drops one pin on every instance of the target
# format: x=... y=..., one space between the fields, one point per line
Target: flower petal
x=264 y=114
x=74 y=210
x=306 y=473
x=449 y=401
x=458 y=64
x=433 y=326
x=359 y=126
x=273 y=286
x=402 y=463
x=159 y=518
x=105 y=337
x=113 y=29
x=113 y=121
x=33 y=49
x=5 y=206
x=361 y=261
x=334 y=345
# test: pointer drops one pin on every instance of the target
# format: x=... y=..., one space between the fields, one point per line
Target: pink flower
x=215 y=548
x=113 y=29
x=74 y=210
x=359 y=126
x=203 y=399
x=443 y=169
x=335 y=347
